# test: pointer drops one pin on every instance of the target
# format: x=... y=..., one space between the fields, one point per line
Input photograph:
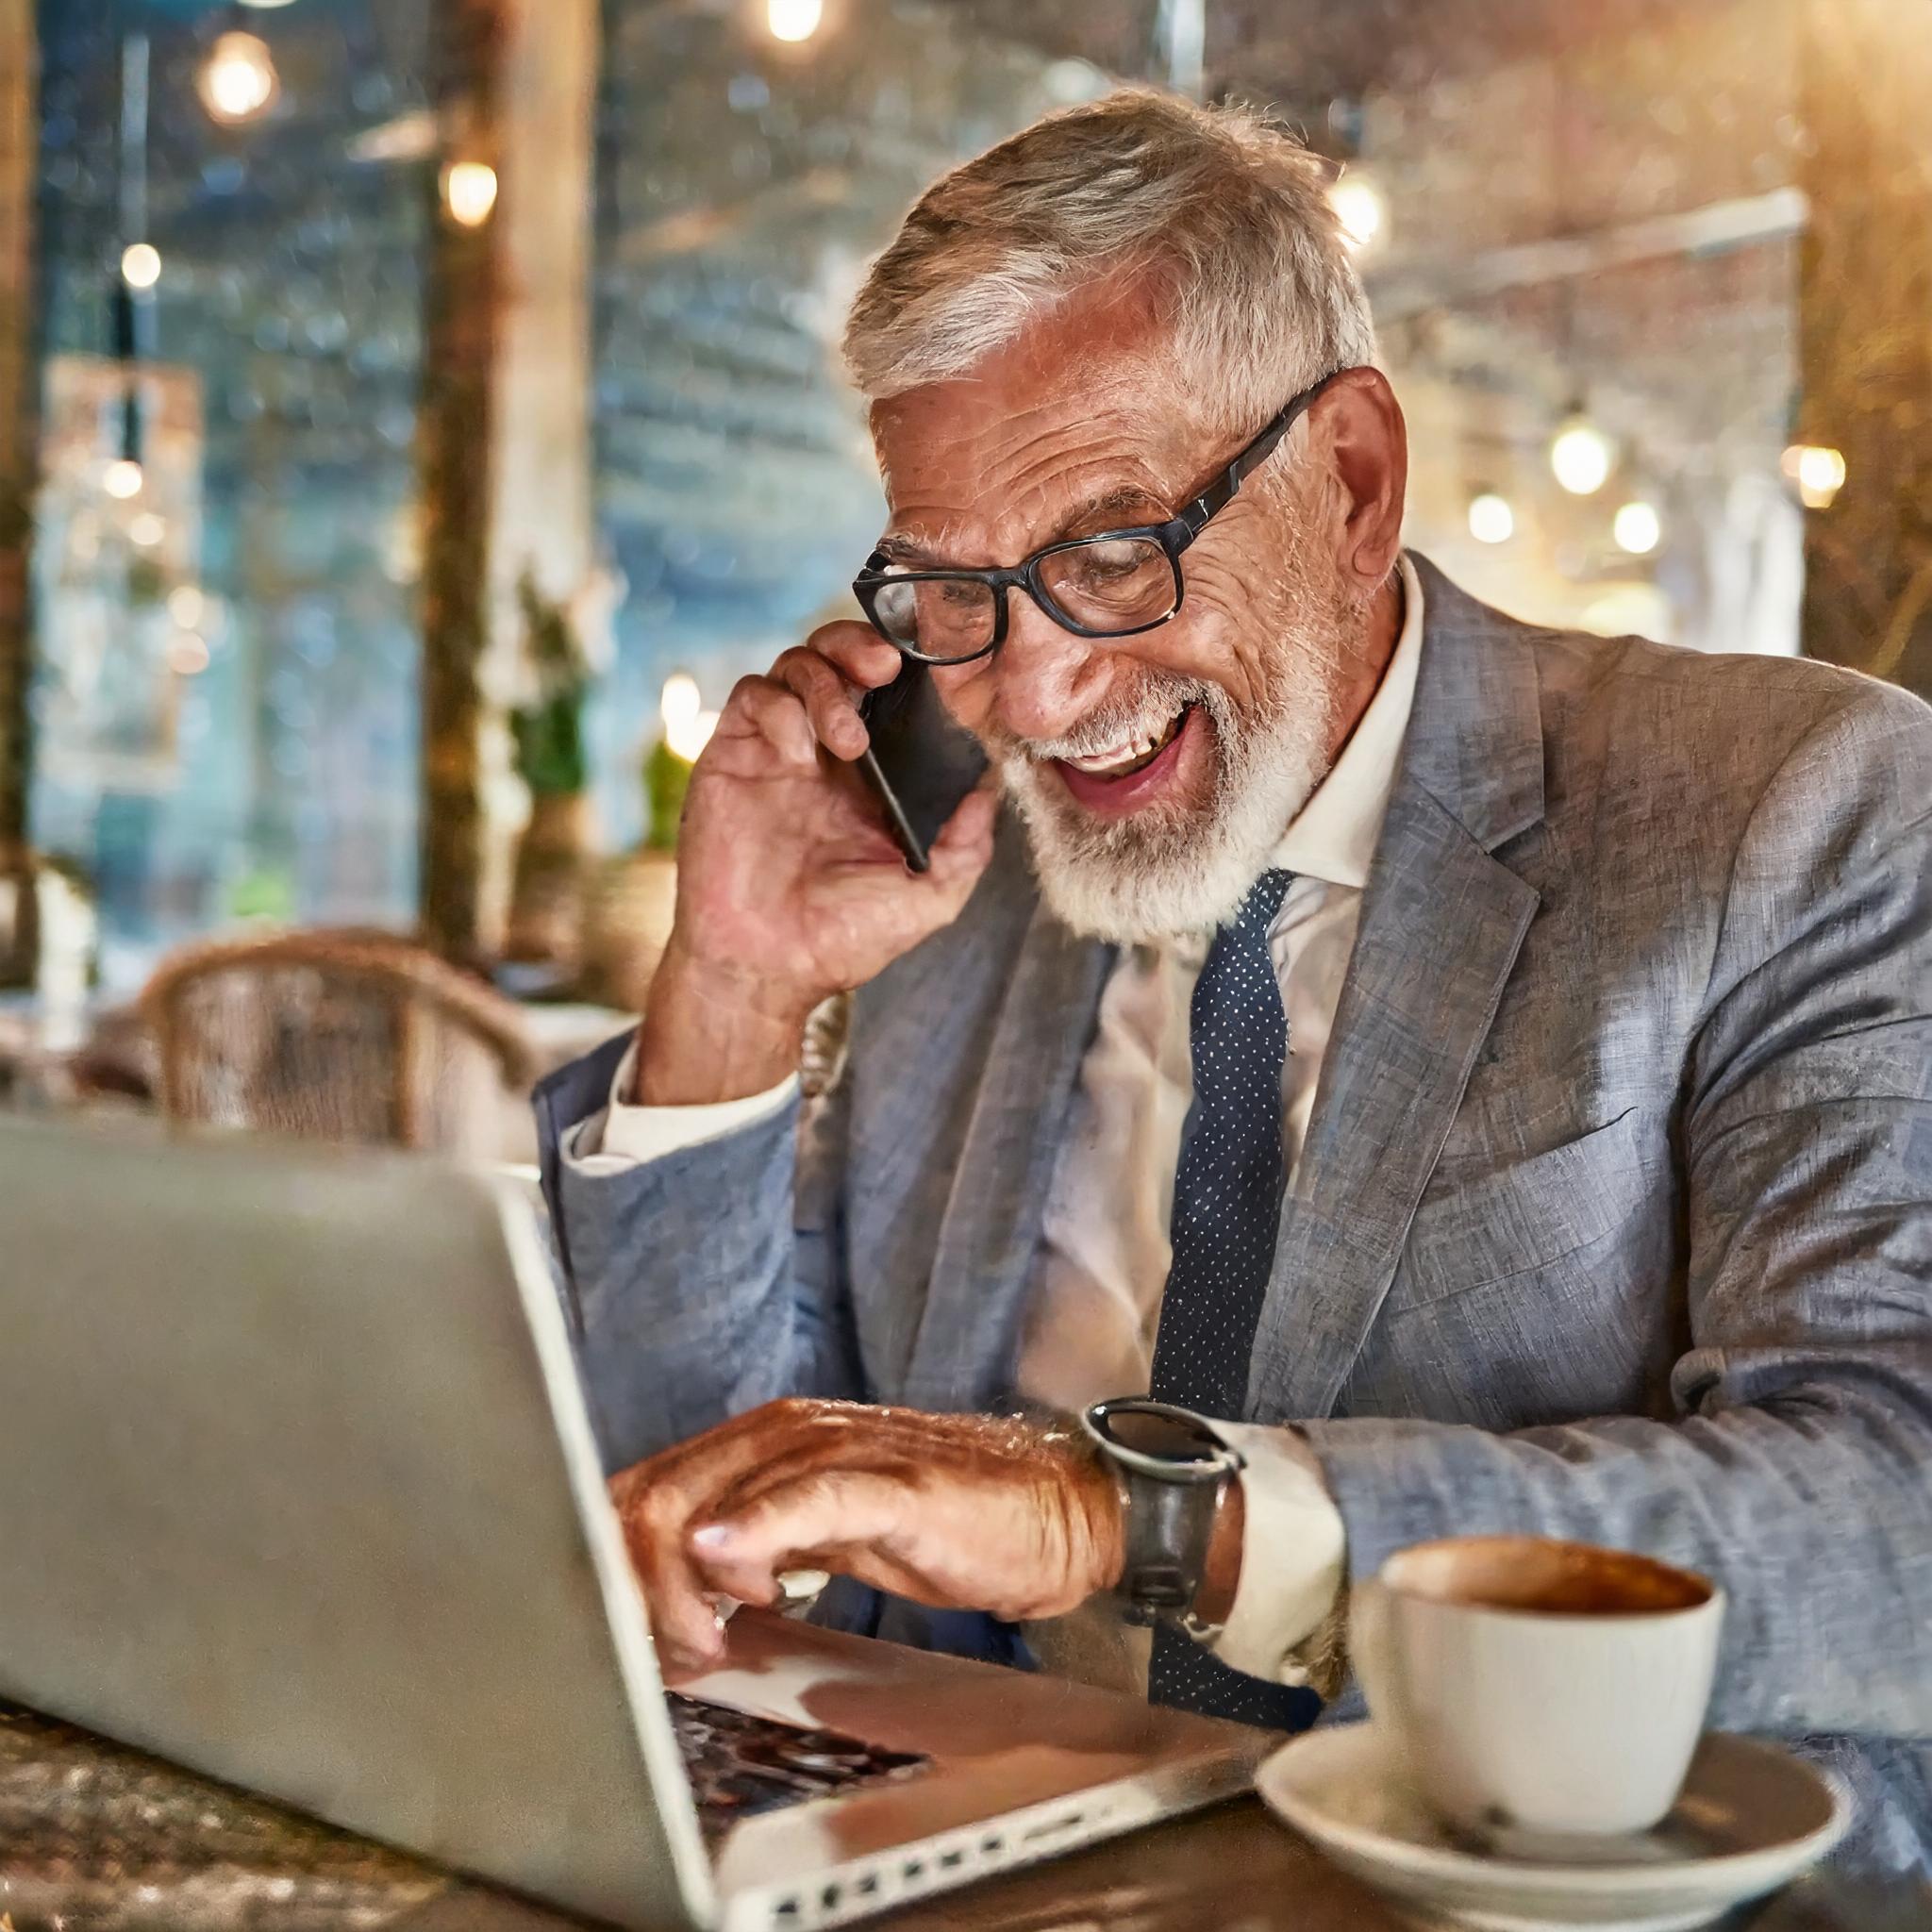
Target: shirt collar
x=1333 y=836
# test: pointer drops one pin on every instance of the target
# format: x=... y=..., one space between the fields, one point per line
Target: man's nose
x=1046 y=678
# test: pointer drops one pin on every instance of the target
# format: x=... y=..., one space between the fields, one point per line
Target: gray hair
x=1225 y=212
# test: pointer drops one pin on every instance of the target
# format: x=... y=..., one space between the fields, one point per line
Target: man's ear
x=1367 y=440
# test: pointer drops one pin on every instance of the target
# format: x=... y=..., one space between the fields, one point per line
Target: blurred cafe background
x=415 y=414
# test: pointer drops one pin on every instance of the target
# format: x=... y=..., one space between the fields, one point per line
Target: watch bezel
x=1217 y=1462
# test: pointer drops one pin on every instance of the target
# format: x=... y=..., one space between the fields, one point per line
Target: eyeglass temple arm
x=1218 y=494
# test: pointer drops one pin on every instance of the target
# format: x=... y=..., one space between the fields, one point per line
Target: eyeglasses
x=1115 y=584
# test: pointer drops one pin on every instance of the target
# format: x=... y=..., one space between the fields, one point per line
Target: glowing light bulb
x=1362 y=209
x=147 y=529
x=1582 y=457
x=140 y=265
x=1817 y=472
x=1490 y=519
x=186 y=605
x=468 y=192
x=1638 y=529
x=123 y=480
x=266 y=5
x=239 y=78
x=794 y=20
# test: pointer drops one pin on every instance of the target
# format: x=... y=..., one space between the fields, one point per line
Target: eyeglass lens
x=1107 y=587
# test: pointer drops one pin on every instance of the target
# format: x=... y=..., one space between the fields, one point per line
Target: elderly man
x=1549 y=1017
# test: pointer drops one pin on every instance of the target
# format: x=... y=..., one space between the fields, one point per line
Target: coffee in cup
x=1533 y=1687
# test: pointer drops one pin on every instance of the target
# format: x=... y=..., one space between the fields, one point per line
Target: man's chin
x=1176 y=857
x=1131 y=880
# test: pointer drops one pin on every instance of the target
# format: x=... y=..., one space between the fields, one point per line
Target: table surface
x=95 y=1837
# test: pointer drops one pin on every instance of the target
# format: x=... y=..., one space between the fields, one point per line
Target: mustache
x=1121 y=719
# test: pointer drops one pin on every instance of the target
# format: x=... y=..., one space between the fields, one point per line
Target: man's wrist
x=1181 y=1512
x=713 y=1033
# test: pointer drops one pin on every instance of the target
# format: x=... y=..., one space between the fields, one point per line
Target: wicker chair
x=344 y=1035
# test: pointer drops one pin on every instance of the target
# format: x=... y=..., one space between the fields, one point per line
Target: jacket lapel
x=1441 y=924
x=962 y=1355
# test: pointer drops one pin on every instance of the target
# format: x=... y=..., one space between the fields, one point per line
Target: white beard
x=1158 y=874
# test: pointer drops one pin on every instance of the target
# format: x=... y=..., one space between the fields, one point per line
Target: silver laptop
x=300 y=1490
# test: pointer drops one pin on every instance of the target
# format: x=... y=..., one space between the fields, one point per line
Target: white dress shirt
x=1104 y=1250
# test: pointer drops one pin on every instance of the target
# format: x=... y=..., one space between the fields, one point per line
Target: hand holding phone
x=786 y=892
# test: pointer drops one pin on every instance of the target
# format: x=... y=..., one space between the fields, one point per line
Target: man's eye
x=1102 y=566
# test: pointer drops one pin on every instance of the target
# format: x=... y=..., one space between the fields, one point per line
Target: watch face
x=1166 y=1435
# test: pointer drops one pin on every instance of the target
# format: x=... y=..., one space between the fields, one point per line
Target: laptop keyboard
x=742 y=1765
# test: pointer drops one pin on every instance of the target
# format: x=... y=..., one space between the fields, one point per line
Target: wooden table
x=95 y=1837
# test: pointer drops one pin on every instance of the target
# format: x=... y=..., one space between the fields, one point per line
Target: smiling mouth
x=1123 y=761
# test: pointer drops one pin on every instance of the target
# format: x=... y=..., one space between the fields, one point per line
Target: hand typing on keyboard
x=957 y=1511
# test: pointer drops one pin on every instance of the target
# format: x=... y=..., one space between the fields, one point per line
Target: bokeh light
x=468 y=192
x=187 y=654
x=1817 y=472
x=793 y=20
x=140 y=265
x=1362 y=209
x=239 y=78
x=687 y=726
x=1581 y=457
x=1490 y=519
x=1638 y=529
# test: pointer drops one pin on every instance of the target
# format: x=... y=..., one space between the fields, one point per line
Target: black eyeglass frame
x=1174 y=536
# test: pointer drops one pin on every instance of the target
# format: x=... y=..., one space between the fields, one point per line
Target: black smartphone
x=920 y=763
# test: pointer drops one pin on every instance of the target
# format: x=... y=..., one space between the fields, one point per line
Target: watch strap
x=1170 y=1502
x=1168 y=1528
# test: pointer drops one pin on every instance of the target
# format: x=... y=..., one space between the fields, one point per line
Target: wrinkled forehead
x=1059 y=428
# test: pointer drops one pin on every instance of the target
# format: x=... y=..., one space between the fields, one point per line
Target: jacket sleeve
x=706 y=1281
x=1797 y=1467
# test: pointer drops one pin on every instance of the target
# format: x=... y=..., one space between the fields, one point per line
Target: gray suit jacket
x=1614 y=1219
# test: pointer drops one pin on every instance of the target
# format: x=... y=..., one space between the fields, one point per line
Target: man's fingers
x=963 y=849
x=683 y=1621
x=797 y=1526
x=856 y=651
x=828 y=700
x=969 y=831
x=776 y=714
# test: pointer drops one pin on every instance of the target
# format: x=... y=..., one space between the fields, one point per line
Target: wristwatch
x=1173 y=1470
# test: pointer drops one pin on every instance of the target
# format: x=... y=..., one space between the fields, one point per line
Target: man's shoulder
x=1729 y=722
x=1612 y=669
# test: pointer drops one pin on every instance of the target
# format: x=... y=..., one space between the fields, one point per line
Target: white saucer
x=1751 y=1817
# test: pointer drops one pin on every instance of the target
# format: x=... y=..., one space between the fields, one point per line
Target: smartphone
x=920 y=763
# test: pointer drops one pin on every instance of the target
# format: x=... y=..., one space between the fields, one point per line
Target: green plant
x=667 y=777
x=549 y=731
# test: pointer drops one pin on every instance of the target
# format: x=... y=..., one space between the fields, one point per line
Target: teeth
x=1122 y=757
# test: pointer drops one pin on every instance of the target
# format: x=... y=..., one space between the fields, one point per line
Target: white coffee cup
x=1532 y=1687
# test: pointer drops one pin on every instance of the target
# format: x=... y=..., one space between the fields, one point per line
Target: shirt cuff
x=623 y=1136
x=1293 y=1550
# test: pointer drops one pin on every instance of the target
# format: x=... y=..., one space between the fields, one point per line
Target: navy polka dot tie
x=1226 y=1214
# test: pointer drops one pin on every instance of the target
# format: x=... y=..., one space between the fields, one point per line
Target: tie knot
x=1264 y=900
